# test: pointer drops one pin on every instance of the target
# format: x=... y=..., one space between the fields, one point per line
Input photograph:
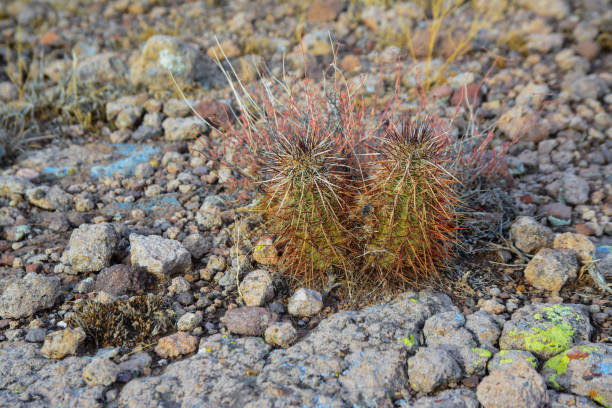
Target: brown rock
x=176 y=344
x=350 y=63
x=216 y=113
x=324 y=10
x=581 y=228
x=62 y=343
x=588 y=49
x=248 y=320
x=576 y=242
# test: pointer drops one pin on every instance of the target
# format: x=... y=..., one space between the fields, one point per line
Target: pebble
x=247 y=320
x=175 y=345
x=159 y=256
x=550 y=269
x=62 y=343
x=101 y=371
x=91 y=247
x=305 y=303
x=529 y=235
x=257 y=288
x=281 y=334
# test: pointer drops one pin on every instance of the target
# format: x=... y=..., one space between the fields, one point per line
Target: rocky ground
x=110 y=216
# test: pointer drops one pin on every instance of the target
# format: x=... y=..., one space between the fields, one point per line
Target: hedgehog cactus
x=305 y=197
x=407 y=209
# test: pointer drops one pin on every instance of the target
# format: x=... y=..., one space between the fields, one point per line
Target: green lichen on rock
x=559 y=363
x=545 y=330
x=408 y=341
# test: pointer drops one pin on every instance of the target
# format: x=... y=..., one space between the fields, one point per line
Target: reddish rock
x=34 y=267
x=581 y=228
x=442 y=91
x=177 y=344
x=558 y=210
x=248 y=320
x=7 y=259
x=350 y=63
x=120 y=279
x=50 y=38
x=588 y=49
x=214 y=112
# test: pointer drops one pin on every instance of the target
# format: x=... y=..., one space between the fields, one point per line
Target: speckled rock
x=62 y=343
x=432 y=367
x=484 y=327
x=183 y=128
x=574 y=189
x=160 y=256
x=248 y=320
x=91 y=247
x=101 y=69
x=546 y=330
x=26 y=296
x=577 y=242
x=162 y=53
x=101 y=371
x=49 y=198
x=264 y=252
x=176 y=344
x=257 y=288
x=506 y=357
x=281 y=334
x=119 y=280
x=189 y=321
x=12 y=186
x=447 y=328
x=584 y=370
x=529 y=235
x=550 y=269
x=518 y=386
x=305 y=303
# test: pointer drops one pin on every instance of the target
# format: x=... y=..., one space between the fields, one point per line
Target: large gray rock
x=91 y=247
x=162 y=53
x=518 y=386
x=546 y=330
x=549 y=269
x=24 y=297
x=160 y=256
x=529 y=235
x=351 y=358
x=584 y=370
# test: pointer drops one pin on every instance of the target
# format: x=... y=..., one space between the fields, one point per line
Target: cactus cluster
x=367 y=197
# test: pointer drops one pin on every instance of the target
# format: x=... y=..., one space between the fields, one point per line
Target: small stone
x=62 y=343
x=183 y=128
x=264 y=252
x=576 y=242
x=119 y=280
x=458 y=398
x=447 y=328
x=178 y=285
x=49 y=198
x=176 y=108
x=216 y=263
x=24 y=297
x=175 y=345
x=17 y=232
x=101 y=68
x=36 y=335
x=549 y=269
x=160 y=256
x=162 y=53
x=129 y=117
x=491 y=306
x=189 y=321
x=529 y=235
x=305 y=303
x=91 y=247
x=257 y=288
x=574 y=189
x=281 y=334
x=248 y=320
x=432 y=367
x=519 y=386
x=317 y=43
x=198 y=245
x=101 y=371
